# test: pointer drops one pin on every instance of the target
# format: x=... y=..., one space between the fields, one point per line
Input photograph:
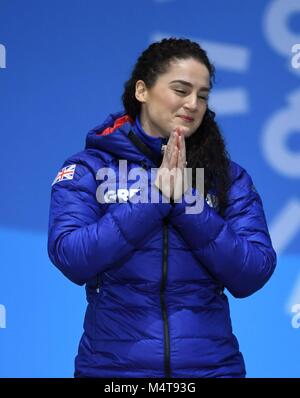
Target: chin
x=187 y=131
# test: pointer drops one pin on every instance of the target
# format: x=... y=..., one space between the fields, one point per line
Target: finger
x=181 y=160
x=169 y=152
x=174 y=158
x=168 y=148
x=179 y=133
x=178 y=186
x=172 y=139
x=182 y=166
x=180 y=151
x=183 y=150
x=178 y=165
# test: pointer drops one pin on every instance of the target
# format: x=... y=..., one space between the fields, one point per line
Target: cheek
x=169 y=102
x=164 y=109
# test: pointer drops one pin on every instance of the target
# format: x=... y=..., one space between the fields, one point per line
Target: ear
x=140 y=91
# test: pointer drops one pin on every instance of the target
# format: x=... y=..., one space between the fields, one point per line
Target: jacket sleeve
x=83 y=240
x=236 y=249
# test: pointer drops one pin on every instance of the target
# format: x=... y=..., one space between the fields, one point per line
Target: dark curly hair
x=205 y=148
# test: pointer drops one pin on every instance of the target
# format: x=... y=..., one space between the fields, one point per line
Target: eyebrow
x=189 y=84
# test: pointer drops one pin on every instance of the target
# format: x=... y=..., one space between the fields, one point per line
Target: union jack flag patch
x=67 y=173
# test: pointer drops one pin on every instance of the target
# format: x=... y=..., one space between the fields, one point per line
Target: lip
x=186 y=118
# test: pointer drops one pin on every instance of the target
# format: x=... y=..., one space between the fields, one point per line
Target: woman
x=154 y=274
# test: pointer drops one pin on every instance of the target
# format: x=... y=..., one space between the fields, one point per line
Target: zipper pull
x=98 y=284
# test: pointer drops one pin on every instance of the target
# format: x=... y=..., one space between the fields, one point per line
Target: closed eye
x=180 y=91
x=205 y=98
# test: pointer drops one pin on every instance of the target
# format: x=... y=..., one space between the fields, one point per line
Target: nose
x=191 y=102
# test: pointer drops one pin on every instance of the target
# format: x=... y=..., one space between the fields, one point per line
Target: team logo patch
x=120 y=196
x=212 y=200
x=67 y=173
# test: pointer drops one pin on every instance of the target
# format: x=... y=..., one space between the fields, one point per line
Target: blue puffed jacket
x=154 y=275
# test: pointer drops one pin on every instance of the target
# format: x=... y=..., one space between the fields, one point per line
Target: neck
x=147 y=129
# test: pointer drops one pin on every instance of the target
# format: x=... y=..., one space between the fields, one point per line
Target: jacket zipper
x=163 y=303
x=98 y=284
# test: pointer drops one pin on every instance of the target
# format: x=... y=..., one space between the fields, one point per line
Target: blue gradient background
x=66 y=63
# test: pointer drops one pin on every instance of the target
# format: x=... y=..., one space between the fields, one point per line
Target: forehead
x=189 y=70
